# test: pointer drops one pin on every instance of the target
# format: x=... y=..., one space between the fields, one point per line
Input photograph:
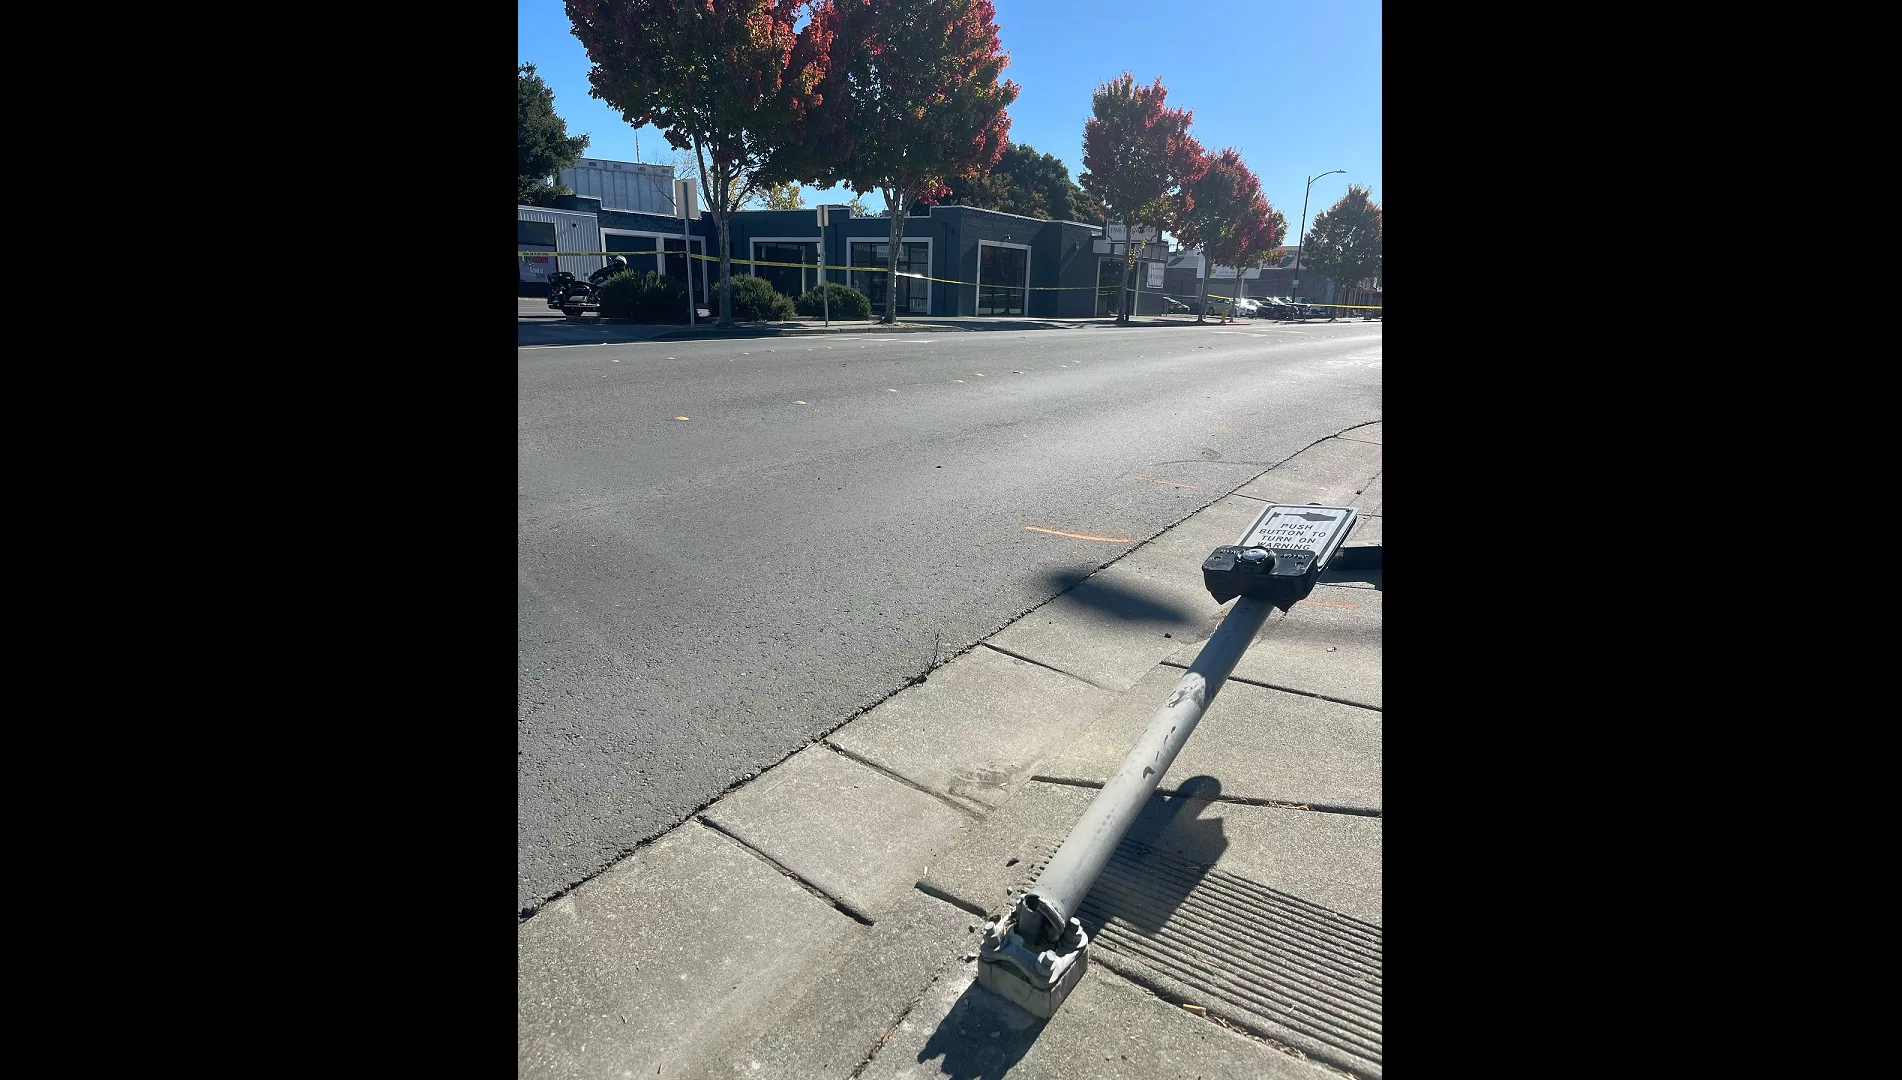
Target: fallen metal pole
x=1060 y=889
x=1035 y=954
x=1042 y=940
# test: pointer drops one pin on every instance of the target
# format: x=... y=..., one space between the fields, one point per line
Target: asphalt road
x=700 y=597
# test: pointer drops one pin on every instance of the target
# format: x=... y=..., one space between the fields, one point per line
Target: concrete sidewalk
x=823 y=920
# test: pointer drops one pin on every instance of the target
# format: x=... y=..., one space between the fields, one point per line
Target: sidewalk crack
x=1245 y=800
x=1284 y=689
x=837 y=904
x=974 y=815
x=1049 y=667
x=883 y=1039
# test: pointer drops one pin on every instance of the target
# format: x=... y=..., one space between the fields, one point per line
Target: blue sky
x=1295 y=88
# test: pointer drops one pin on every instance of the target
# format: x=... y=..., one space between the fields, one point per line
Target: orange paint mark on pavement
x=1078 y=536
x=1153 y=480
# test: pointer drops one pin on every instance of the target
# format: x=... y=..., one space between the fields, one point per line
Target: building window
x=535 y=232
x=1110 y=292
x=788 y=280
x=640 y=250
x=677 y=266
x=1002 y=274
x=914 y=293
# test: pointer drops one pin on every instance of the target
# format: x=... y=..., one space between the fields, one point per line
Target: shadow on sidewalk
x=983 y=1036
x=1165 y=855
x=1332 y=576
x=1119 y=602
x=1169 y=847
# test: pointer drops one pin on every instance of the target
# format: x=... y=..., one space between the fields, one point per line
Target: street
x=729 y=548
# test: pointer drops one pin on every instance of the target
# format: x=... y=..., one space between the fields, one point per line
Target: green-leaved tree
x=543 y=146
x=1344 y=244
x=1029 y=183
x=781 y=196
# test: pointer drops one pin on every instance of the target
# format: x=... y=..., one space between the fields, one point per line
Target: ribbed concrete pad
x=1328 y=859
x=1265 y=960
x=1108 y=1029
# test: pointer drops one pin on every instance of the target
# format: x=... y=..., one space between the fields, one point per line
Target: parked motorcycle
x=572 y=296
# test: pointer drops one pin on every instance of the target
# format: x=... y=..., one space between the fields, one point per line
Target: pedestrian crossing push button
x=1281 y=554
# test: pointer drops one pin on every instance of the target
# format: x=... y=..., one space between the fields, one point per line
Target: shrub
x=647 y=297
x=755 y=300
x=847 y=303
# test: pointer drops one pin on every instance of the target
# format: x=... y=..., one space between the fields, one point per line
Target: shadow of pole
x=1169 y=848
x=982 y=1038
x=1123 y=603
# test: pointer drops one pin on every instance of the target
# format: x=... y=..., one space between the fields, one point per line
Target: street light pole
x=1302 y=236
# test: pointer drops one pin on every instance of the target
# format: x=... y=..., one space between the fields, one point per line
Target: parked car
x=1172 y=306
x=1273 y=307
x=1246 y=308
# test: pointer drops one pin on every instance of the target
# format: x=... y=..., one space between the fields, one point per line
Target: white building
x=624 y=185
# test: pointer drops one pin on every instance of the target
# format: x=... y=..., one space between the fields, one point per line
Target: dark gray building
x=1275 y=277
x=954 y=260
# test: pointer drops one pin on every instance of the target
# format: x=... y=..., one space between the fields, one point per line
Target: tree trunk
x=893 y=202
x=726 y=245
x=1202 y=304
x=717 y=189
x=726 y=268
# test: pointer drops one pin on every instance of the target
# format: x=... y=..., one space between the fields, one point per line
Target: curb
x=787 y=331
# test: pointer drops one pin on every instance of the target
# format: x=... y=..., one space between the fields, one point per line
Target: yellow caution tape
x=869 y=269
x=1304 y=303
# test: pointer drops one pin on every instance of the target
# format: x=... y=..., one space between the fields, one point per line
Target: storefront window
x=678 y=267
x=787 y=280
x=914 y=293
x=1002 y=274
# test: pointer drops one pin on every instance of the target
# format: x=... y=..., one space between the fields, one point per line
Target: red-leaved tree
x=727 y=78
x=1224 y=213
x=1137 y=157
x=911 y=98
